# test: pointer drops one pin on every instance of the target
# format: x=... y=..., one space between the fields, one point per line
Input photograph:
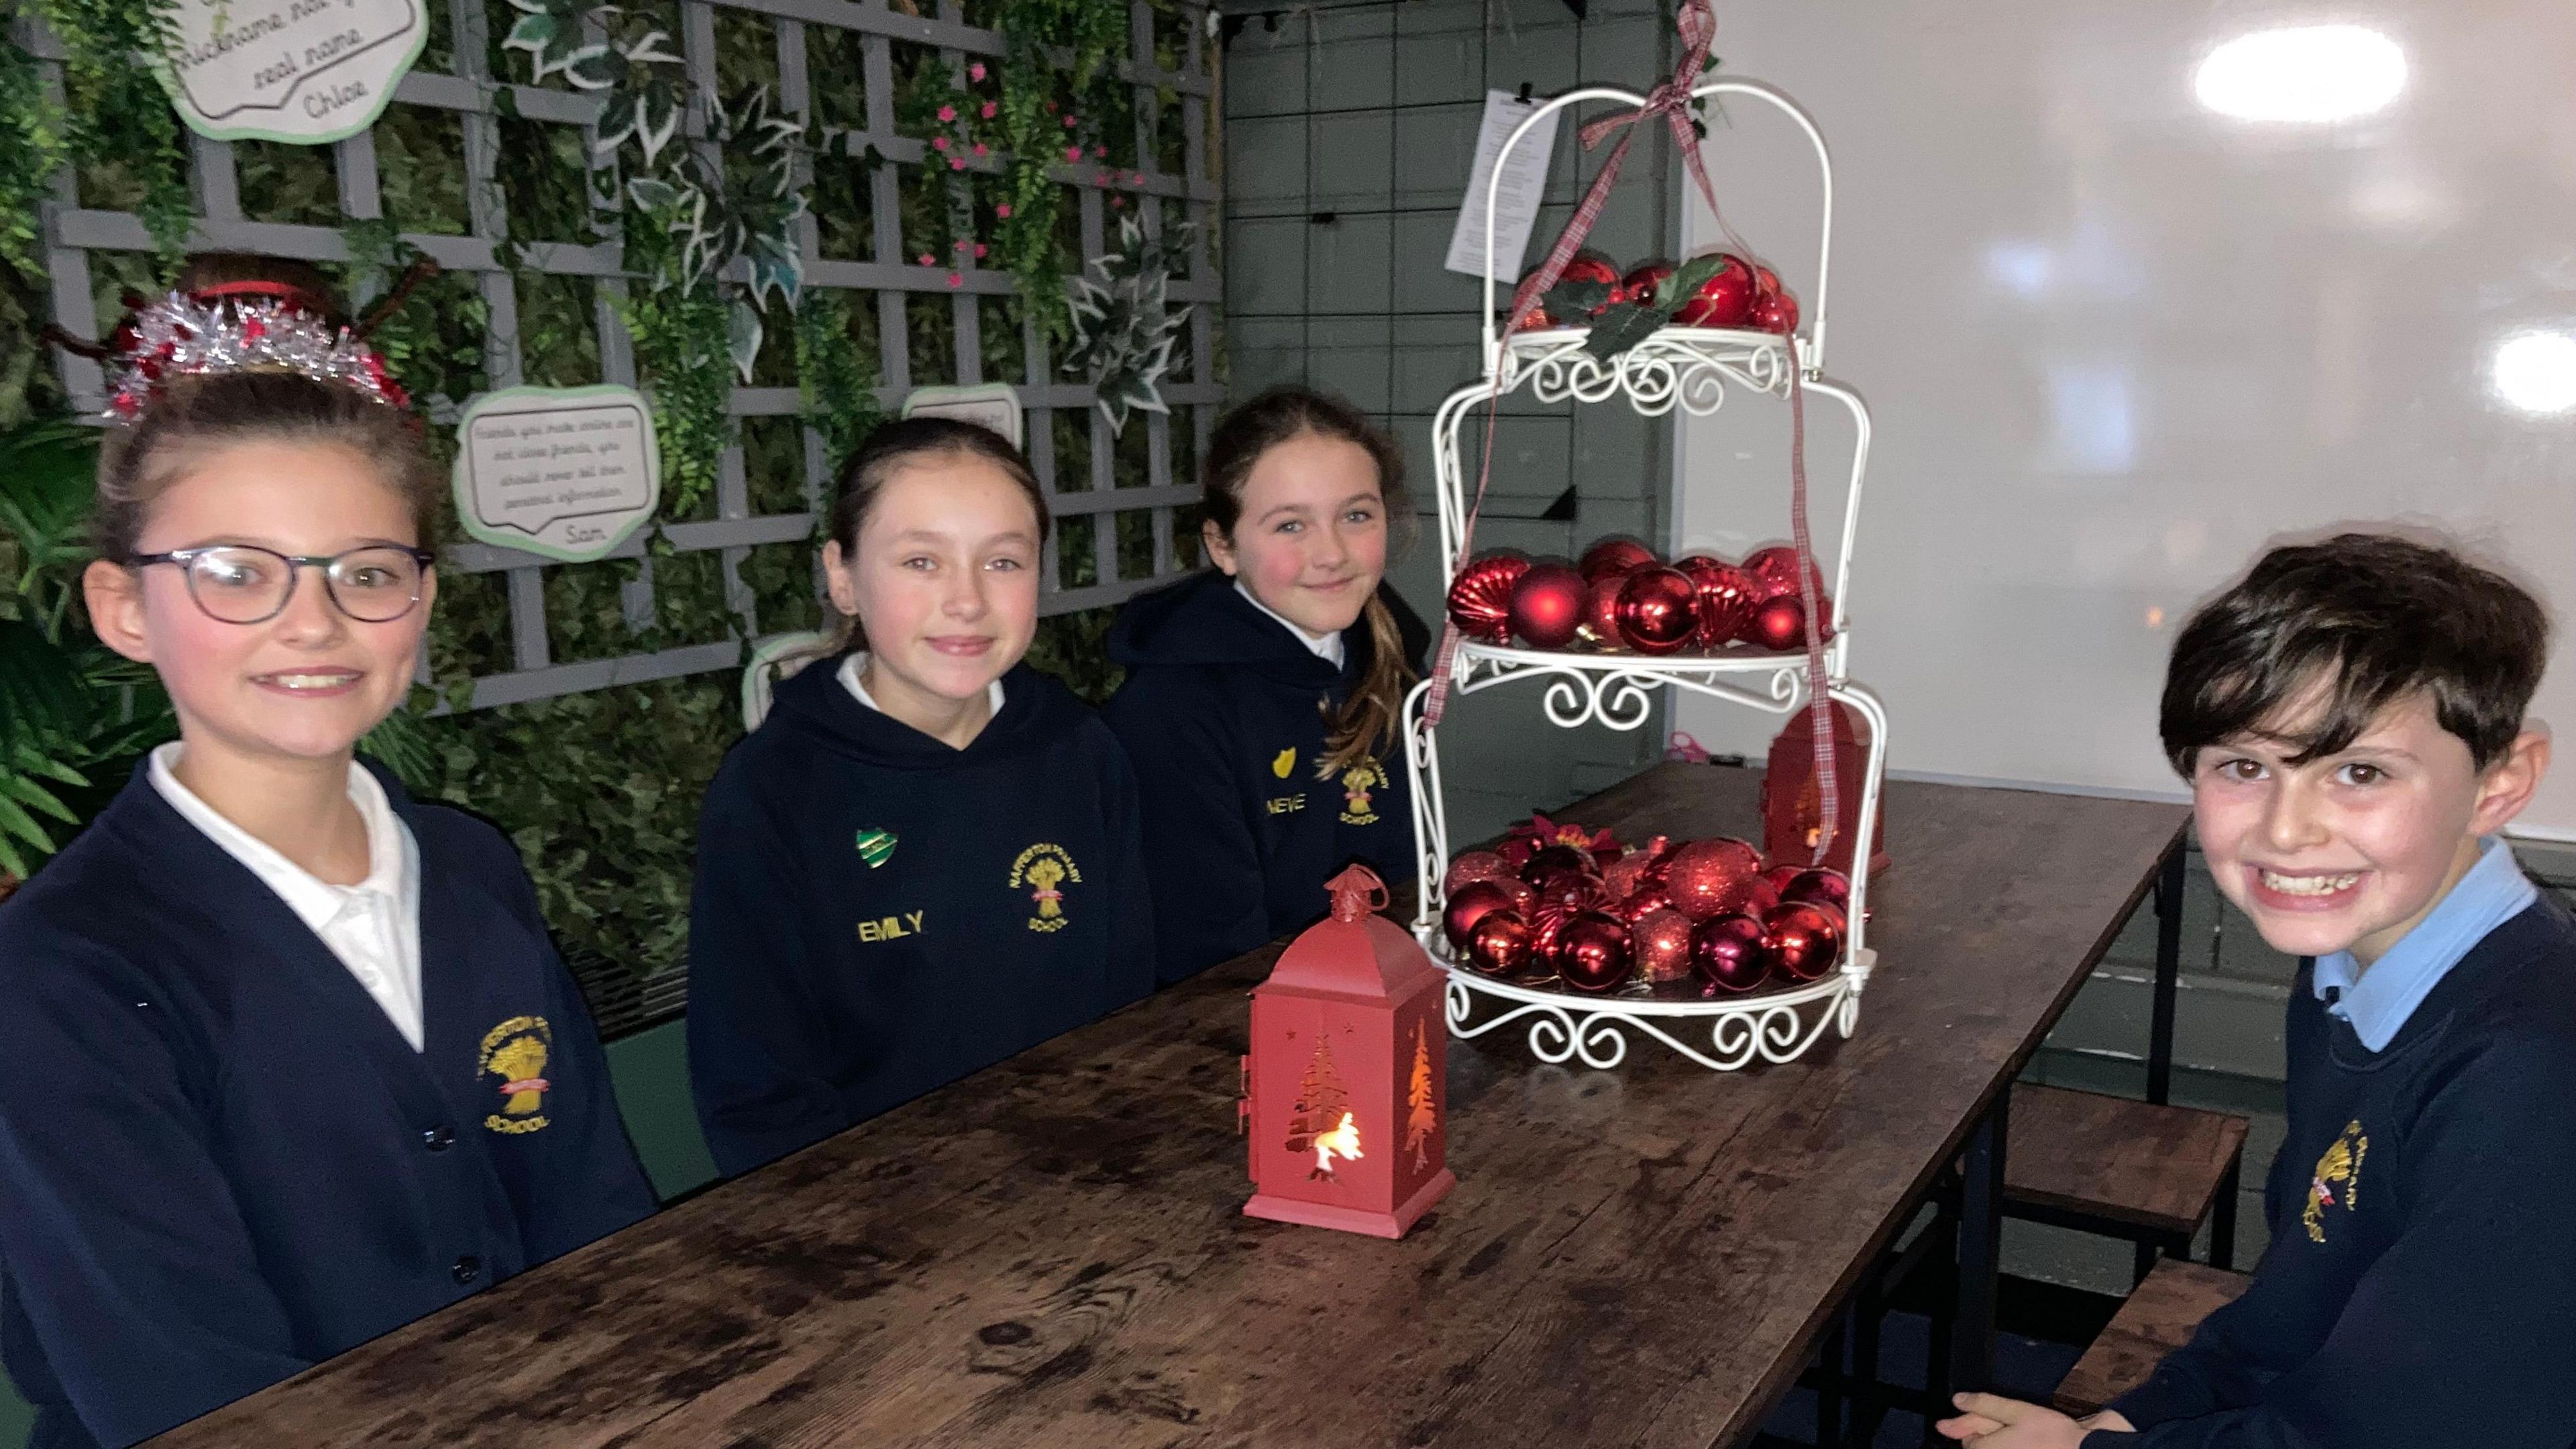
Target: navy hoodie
x=1223 y=712
x=220 y=1162
x=2420 y=1286
x=878 y=914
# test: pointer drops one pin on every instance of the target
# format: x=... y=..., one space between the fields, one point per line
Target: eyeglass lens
x=242 y=585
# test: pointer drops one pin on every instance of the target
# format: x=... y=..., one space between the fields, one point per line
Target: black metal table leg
x=2168 y=974
x=2222 y=1219
x=1981 y=1240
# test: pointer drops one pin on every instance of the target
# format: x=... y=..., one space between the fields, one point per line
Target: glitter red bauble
x=1820 y=887
x=1480 y=600
x=1661 y=940
x=1469 y=904
x=1731 y=953
x=1806 y=939
x=1551 y=859
x=1591 y=951
x=1500 y=944
x=1614 y=556
x=1711 y=877
x=1547 y=604
x=1725 y=600
x=1658 y=610
x=1601 y=611
x=1474 y=865
x=1724 y=300
x=1779 y=623
x=1639 y=285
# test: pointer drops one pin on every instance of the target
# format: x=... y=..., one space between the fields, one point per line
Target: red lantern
x=1346 y=1089
x=1793 y=802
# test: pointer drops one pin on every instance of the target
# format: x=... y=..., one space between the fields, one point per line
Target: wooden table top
x=1052 y=1251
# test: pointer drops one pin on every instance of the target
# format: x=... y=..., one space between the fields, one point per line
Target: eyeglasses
x=240 y=583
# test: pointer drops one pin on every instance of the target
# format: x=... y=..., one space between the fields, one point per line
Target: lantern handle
x=1356 y=892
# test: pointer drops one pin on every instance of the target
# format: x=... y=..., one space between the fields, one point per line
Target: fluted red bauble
x=1591 y=951
x=1601 y=611
x=1549 y=859
x=1614 y=556
x=1711 y=877
x=1480 y=599
x=1779 y=623
x=1500 y=944
x=1724 y=300
x=1658 y=610
x=1820 y=887
x=1725 y=600
x=1806 y=939
x=1469 y=904
x=1554 y=911
x=1474 y=865
x=1731 y=953
x=1661 y=940
x=1547 y=605
x=1639 y=285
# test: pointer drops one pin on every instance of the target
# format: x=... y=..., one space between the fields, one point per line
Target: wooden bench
x=2143 y=1171
x=2158 y=1318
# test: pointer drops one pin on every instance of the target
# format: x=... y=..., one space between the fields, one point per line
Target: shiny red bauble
x=1480 y=598
x=1588 y=265
x=1640 y=902
x=1591 y=951
x=1807 y=940
x=1724 y=300
x=1774 y=572
x=1820 y=887
x=1614 y=556
x=1725 y=600
x=1500 y=944
x=1547 y=605
x=1779 y=623
x=1638 y=287
x=1549 y=859
x=1731 y=953
x=1776 y=313
x=1469 y=904
x=1601 y=611
x=1473 y=865
x=1711 y=877
x=1661 y=941
x=1658 y=610
x=1778 y=877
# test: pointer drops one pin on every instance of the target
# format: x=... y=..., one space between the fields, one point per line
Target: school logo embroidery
x=515 y=1051
x=876 y=847
x=1357 y=782
x=1046 y=869
x=1283 y=762
x=2338 y=1180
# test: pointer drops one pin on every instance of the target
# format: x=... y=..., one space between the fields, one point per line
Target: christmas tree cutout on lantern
x=1423 y=1117
x=1322 y=1122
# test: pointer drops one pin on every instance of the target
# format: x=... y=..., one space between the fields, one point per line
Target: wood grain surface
x=2158 y=1318
x=1052 y=1251
x=2134 y=1162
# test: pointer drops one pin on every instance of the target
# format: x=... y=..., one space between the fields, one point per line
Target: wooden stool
x=2158 y=1318
x=2125 y=1169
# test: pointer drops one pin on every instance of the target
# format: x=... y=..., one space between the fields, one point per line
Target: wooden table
x=1052 y=1252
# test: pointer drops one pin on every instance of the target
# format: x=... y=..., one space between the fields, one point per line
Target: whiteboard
x=2116 y=343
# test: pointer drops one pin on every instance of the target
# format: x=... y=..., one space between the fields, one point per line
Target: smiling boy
x=2351 y=720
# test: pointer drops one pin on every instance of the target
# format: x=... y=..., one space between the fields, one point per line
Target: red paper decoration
x=1614 y=556
x=1731 y=953
x=1591 y=951
x=1658 y=610
x=1661 y=939
x=1724 y=300
x=1806 y=940
x=1725 y=600
x=1500 y=944
x=1480 y=600
x=1547 y=605
x=1711 y=877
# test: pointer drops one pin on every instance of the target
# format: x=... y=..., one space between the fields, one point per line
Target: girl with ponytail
x=1264 y=698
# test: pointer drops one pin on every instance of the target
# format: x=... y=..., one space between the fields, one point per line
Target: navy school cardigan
x=220 y=1162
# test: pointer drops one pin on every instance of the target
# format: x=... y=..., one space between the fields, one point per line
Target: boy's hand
x=1991 y=1421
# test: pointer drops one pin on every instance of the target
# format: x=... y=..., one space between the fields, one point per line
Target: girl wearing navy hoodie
x=286 y=1058
x=1263 y=699
x=928 y=856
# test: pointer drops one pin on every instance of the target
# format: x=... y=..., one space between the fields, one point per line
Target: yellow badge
x=1047 y=870
x=515 y=1051
x=1283 y=762
x=2338 y=1180
x=1357 y=782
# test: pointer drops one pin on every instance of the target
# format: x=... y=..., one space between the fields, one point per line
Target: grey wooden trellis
x=72 y=232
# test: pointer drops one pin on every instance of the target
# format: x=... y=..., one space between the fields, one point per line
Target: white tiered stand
x=1691 y=368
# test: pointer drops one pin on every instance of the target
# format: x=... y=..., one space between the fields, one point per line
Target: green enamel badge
x=875 y=847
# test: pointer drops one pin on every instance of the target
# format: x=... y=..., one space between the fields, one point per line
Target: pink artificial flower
x=961 y=244
x=925 y=259
x=948 y=113
x=1068 y=123
x=979 y=249
x=1003 y=211
x=1073 y=153
x=1140 y=178
x=979 y=148
x=938 y=143
x=956 y=163
x=989 y=108
x=957 y=279
x=1117 y=201
x=1099 y=150
x=975 y=71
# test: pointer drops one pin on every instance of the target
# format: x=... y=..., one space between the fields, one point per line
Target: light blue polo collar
x=2377 y=1002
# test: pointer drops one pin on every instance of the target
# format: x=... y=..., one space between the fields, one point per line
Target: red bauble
x=1759 y=896
x=1657 y=850
x=1662 y=942
x=1500 y=944
x=1564 y=891
x=1711 y=877
x=1820 y=887
x=1588 y=265
x=1621 y=877
x=1570 y=900
x=1644 y=900
x=1547 y=604
x=1731 y=953
x=1551 y=859
x=1725 y=600
x=1591 y=951
x=1806 y=939
x=1614 y=556
x=1480 y=599
x=1601 y=611
x=1778 y=877
x=1658 y=610
x=1776 y=313
x=1469 y=904
x=1639 y=285
x=1774 y=572
x=1474 y=865
x=1724 y=300
x=1779 y=623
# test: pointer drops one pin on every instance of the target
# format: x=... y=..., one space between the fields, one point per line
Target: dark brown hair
x=1367 y=720
x=199 y=413
x=2369 y=620
x=900 y=444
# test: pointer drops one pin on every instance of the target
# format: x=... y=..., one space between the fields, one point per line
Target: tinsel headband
x=239 y=327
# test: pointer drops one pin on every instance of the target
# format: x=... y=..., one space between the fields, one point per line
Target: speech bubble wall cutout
x=567 y=472
x=300 y=71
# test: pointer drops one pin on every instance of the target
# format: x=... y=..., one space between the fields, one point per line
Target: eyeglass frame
x=186 y=558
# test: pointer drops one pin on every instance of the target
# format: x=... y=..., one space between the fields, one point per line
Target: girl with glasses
x=286 y=1058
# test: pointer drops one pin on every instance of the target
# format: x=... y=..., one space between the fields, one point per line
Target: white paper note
x=1515 y=201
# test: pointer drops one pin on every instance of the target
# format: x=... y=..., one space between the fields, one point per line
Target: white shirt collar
x=857 y=663
x=1327 y=647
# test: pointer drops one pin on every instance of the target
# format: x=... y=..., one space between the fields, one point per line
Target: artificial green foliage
x=836 y=381
x=120 y=119
x=34 y=146
x=1043 y=121
x=1075 y=649
x=680 y=348
x=1124 y=324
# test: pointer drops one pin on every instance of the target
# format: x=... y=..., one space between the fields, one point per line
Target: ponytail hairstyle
x=901 y=444
x=192 y=413
x=1365 y=723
